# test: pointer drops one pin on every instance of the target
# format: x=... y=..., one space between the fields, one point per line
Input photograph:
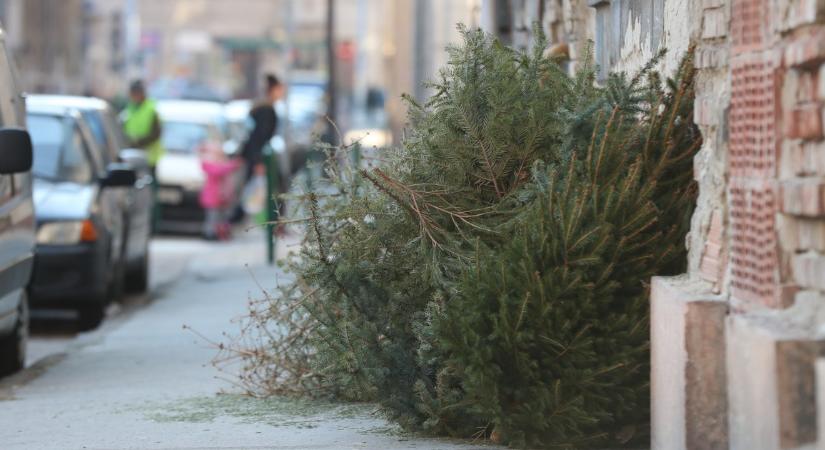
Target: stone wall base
x=688 y=379
x=771 y=362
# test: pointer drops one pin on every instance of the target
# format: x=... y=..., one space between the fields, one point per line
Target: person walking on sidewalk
x=265 y=125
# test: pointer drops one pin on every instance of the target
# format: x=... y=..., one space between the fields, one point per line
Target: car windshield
x=185 y=136
x=58 y=150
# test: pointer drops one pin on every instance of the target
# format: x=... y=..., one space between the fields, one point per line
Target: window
x=75 y=161
x=59 y=151
x=96 y=126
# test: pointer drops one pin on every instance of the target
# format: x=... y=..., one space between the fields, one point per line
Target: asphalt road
x=142 y=381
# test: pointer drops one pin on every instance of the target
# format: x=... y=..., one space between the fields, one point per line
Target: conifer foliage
x=489 y=278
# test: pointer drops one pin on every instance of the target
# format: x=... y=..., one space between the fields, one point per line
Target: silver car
x=17 y=233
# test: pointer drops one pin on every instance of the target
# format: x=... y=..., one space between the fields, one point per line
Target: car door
x=16 y=208
x=111 y=201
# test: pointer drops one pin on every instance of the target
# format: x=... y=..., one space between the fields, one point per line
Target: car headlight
x=66 y=233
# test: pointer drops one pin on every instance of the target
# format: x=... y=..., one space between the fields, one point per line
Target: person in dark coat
x=265 y=125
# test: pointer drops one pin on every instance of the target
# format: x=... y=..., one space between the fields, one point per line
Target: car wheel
x=13 y=346
x=91 y=316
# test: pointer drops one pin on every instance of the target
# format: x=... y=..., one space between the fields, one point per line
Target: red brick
x=809 y=270
x=803 y=197
x=752 y=118
x=806 y=50
x=747 y=25
x=753 y=245
x=801 y=158
x=806 y=89
x=804 y=122
x=794 y=13
x=790 y=159
x=800 y=234
x=821 y=83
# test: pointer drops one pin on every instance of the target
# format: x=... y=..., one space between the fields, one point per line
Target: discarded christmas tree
x=489 y=277
x=547 y=336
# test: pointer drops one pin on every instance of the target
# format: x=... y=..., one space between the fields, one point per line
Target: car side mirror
x=135 y=158
x=16 y=152
x=119 y=175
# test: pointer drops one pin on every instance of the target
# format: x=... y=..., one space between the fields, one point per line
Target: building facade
x=47 y=38
x=414 y=36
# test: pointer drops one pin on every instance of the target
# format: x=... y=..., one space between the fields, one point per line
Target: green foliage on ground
x=489 y=278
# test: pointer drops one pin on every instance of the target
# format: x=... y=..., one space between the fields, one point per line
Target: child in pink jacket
x=217 y=193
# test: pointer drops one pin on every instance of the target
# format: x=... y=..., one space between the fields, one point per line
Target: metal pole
x=422 y=38
x=272 y=214
x=131 y=28
x=361 y=62
x=289 y=49
x=332 y=110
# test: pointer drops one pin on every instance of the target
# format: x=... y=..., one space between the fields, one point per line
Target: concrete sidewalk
x=143 y=382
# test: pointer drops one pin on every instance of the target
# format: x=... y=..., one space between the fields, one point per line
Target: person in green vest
x=142 y=125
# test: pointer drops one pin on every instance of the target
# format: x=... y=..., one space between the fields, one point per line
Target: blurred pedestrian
x=265 y=125
x=218 y=192
x=142 y=127
x=142 y=124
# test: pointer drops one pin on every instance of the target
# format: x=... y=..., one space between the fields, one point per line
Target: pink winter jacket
x=216 y=192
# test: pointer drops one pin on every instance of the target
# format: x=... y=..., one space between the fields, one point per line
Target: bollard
x=272 y=213
x=155 y=210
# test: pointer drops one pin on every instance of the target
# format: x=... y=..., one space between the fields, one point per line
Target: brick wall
x=801 y=173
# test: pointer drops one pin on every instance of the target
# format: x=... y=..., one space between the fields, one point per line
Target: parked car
x=189 y=127
x=139 y=200
x=16 y=245
x=16 y=219
x=81 y=222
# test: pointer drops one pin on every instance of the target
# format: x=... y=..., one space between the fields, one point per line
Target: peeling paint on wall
x=650 y=25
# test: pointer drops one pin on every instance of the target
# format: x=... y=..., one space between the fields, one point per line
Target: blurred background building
x=219 y=49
